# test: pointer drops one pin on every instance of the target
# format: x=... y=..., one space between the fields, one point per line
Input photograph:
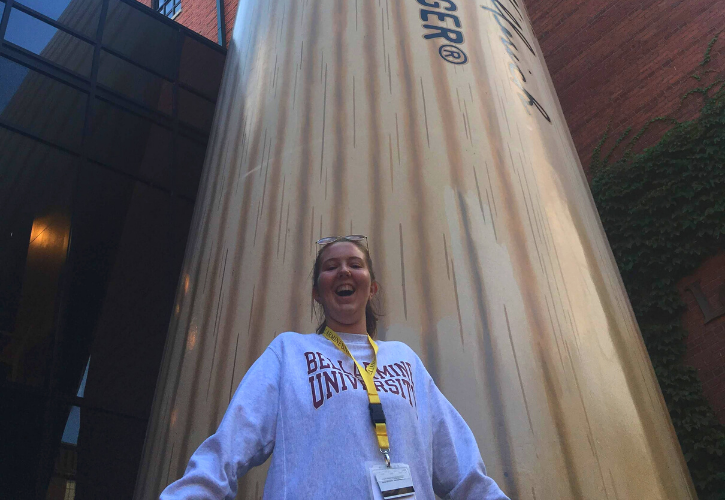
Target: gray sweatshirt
x=305 y=400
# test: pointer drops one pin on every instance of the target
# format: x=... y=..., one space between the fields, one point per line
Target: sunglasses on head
x=350 y=237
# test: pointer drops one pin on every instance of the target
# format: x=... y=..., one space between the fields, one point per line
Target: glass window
x=189 y=163
x=102 y=459
x=80 y=15
x=82 y=386
x=169 y=8
x=53 y=44
x=128 y=236
x=62 y=481
x=73 y=423
x=72 y=426
x=141 y=38
x=195 y=111
x=121 y=291
x=70 y=490
x=41 y=105
x=13 y=75
x=130 y=143
x=35 y=196
x=201 y=67
x=134 y=82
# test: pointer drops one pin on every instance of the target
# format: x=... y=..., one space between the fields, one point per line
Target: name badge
x=392 y=482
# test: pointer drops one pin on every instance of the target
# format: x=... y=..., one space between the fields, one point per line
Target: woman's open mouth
x=345 y=290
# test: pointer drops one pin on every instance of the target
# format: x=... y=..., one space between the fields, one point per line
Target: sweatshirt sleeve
x=244 y=439
x=458 y=470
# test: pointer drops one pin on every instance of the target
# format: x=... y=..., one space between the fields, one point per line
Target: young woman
x=344 y=415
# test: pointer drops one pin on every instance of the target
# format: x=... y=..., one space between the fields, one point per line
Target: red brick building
x=614 y=65
x=202 y=16
x=704 y=295
x=624 y=62
x=618 y=65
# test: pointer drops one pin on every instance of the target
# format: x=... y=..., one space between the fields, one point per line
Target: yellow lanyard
x=368 y=374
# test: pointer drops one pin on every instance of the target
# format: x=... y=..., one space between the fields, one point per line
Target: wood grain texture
x=339 y=117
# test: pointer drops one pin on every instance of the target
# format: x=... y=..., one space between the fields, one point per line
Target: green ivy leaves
x=664 y=213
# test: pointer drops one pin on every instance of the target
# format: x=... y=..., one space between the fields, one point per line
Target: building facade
x=352 y=118
x=614 y=65
x=618 y=65
x=105 y=111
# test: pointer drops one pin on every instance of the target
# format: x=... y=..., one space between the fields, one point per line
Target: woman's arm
x=244 y=439
x=458 y=470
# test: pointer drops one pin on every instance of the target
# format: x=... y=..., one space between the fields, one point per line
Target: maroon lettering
x=356 y=372
x=379 y=386
x=323 y=365
x=335 y=368
x=315 y=402
x=402 y=390
x=331 y=381
x=342 y=381
x=341 y=368
x=384 y=373
x=331 y=363
x=402 y=369
x=392 y=387
x=353 y=380
x=311 y=363
x=408 y=386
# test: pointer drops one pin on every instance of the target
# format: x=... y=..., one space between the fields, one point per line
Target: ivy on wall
x=664 y=213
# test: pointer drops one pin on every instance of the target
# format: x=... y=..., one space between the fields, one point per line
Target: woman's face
x=344 y=285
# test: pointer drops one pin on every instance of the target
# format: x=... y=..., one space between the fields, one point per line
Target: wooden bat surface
x=432 y=127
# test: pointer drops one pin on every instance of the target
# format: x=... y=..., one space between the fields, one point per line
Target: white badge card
x=392 y=482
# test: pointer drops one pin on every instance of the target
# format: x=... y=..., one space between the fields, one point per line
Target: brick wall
x=618 y=62
x=706 y=342
x=626 y=62
x=201 y=16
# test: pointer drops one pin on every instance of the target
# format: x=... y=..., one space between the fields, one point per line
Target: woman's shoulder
x=399 y=347
x=403 y=348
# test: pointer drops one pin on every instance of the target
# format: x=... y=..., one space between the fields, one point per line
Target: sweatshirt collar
x=353 y=338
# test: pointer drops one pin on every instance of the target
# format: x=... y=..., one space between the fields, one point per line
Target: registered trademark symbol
x=453 y=54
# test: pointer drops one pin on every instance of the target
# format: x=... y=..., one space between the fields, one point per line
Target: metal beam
x=221 y=24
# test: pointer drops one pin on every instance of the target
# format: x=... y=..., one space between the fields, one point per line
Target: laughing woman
x=345 y=416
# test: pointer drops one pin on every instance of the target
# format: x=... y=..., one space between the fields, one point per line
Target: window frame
x=168 y=8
